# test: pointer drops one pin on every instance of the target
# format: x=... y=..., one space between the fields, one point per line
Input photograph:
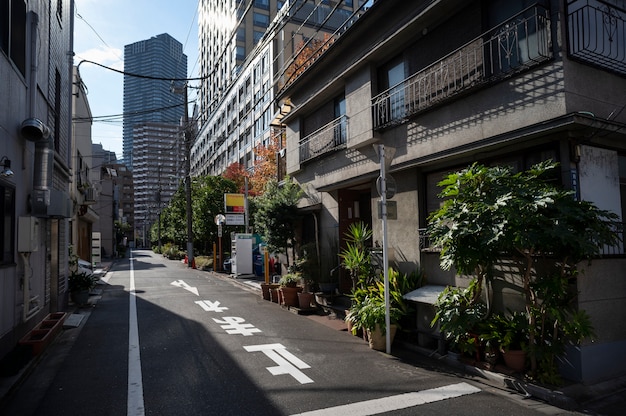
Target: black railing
x=521 y=43
x=597 y=34
x=616 y=250
x=326 y=139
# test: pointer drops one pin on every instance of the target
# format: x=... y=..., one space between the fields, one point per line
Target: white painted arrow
x=180 y=283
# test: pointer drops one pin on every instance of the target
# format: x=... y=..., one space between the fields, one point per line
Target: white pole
x=383 y=209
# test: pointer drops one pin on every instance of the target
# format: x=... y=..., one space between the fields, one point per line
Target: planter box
x=43 y=334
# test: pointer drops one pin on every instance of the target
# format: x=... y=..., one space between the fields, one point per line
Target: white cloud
x=102 y=55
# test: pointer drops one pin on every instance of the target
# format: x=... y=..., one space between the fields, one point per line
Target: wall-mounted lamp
x=6 y=167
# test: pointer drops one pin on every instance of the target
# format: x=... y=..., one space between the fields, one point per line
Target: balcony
x=328 y=138
x=597 y=34
x=515 y=46
x=617 y=250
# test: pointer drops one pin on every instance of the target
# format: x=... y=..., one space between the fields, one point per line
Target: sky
x=102 y=28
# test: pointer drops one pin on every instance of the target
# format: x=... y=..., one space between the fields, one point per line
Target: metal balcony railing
x=597 y=34
x=616 y=250
x=326 y=139
x=520 y=43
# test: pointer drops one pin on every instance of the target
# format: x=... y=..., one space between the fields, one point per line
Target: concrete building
x=105 y=176
x=149 y=67
x=83 y=189
x=35 y=163
x=159 y=154
x=442 y=84
x=244 y=50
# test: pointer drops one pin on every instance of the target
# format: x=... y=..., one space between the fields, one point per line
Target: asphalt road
x=168 y=340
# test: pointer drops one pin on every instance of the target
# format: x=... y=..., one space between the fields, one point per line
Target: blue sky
x=102 y=28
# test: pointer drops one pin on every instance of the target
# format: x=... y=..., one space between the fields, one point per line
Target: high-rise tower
x=149 y=66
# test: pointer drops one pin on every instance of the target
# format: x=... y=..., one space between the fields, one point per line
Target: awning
x=425 y=294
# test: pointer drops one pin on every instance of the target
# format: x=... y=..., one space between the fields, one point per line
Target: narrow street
x=168 y=340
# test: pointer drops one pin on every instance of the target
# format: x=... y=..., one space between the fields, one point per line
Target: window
x=262 y=4
x=261 y=20
x=13 y=32
x=7 y=226
x=340 y=127
x=257 y=36
x=241 y=34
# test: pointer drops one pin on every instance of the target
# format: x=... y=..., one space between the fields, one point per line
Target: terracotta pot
x=289 y=295
x=274 y=295
x=515 y=360
x=265 y=289
x=378 y=340
x=305 y=299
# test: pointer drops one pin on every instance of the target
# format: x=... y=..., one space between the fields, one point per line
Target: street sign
x=235 y=219
x=220 y=219
x=391 y=186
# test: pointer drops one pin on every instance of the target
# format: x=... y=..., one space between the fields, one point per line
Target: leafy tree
x=491 y=213
x=307 y=52
x=265 y=165
x=207 y=196
x=276 y=214
x=237 y=173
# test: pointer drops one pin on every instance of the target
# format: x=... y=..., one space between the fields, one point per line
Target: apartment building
x=442 y=84
x=35 y=163
x=244 y=50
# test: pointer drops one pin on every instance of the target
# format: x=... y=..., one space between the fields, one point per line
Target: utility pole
x=187 y=132
x=187 y=139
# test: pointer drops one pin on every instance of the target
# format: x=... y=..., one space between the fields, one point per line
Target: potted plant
x=79 y=285
x=514 y=330
x=369 y=315
x=289 y=289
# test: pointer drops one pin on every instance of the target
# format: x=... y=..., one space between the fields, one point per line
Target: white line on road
x=135 y=405
x=401 y=401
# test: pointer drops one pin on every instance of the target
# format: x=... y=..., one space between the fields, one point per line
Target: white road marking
x=287 y=362
x=135 y=405
x=237 y=326
x=401 y=401
x=209 y=306
x=182 y=284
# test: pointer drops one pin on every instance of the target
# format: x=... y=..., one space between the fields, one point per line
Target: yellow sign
x=234 y=203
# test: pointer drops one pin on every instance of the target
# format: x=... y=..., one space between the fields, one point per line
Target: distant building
x=105 y=180
x=159 y=154
x=244 y=50
x=154 y=67
x=146 y=99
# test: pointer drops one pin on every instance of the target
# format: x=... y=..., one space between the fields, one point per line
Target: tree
x=237 y=173
x=265 y=165
x=207 y=193
x=276 y=214
x=492 y=214
x=307 y=52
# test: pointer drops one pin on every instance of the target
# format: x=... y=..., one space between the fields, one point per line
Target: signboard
x=234 y=203
x=390 y=185
x=235 y=219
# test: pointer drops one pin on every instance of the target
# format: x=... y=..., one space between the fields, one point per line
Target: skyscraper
x=149 y=67
x=152 y=148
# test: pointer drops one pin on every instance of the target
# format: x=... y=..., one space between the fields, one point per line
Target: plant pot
x=265 y=289
x=274 y=295
x=377 y=339
x=305 y=299
x=289 y=295
x=80 y=297
x=515 y=360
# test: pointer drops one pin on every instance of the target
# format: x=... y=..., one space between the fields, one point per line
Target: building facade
x=245 y=49
x=83 y=189
x=159 y=154
x=443 y=84
x=150 y=66
x=35 y=163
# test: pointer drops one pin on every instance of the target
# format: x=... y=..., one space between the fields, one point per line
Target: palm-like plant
x=355 y=257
